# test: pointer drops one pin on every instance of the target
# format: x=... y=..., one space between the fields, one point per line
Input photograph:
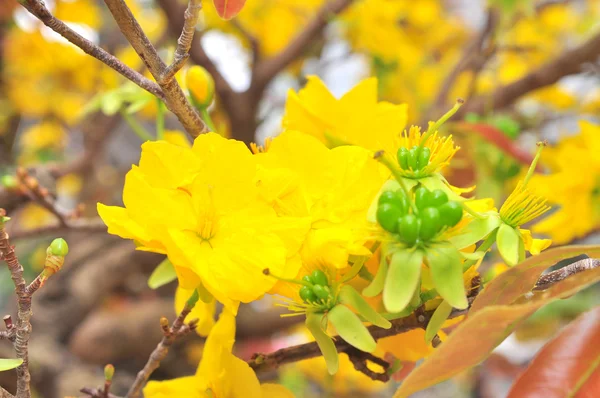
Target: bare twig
x=550 y=278
x=177 y=329
x=174 y=97
x=97 y=393
x=360 y=360
x=568 y=63
x=184 y=43
x=39 y=10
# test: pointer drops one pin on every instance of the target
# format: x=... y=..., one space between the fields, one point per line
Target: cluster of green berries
x=316 y=290
x=432 y=212
x=415 y=158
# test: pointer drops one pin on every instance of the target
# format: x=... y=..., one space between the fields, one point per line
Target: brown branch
x=170 y=334
x=39 y=10
x=184 y=43
x=97 y=393
x=174 y=97
x=269 y=68
x=551 y=278
x=360 y=360
x=568 y=63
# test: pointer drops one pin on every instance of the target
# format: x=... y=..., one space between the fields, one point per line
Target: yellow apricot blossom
x=356 y=119
x=220 y=374
x=202 y=208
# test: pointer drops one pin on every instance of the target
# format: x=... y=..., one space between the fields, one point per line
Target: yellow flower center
x=442 y=151
x=256 y=149
x=207 y=226
x=522 y=206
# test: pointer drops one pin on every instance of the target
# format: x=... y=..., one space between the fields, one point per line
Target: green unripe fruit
x=408 y=228
x=413 y=155
x=403 y=158
x=58 y=247
x=423 y=157
x=308 y=279
x=320 y=292
x=404 y=203
x=451 y=213
x=437 y=197
x=320 y=278
x=388 y=197
x=422 y=197
x=387 y=216
x=307 y=294
x=430 y=223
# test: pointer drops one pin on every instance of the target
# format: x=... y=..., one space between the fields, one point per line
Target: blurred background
x=529 y=71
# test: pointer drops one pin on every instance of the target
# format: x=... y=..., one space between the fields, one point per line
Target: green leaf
x=164 y=273
x=376 y=285
x=508 y=241
x=510 y=285
x=402 y=279
x=350 y=328
x=476 y=230
x=9 y=363
x=447 y=274
x=491 y=325
x=441 y=314
x=349 y=296
x=314 y=323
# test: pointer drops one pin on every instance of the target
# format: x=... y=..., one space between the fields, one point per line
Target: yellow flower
x=200 y=85
x=574 y=186
x=356 y=119
x=177 y=137
x=335 y=188
x=522 y=206
x=220 y=374
x=202 y=208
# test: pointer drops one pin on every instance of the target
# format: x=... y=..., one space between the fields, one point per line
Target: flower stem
x=207 y=119
x=137 y=128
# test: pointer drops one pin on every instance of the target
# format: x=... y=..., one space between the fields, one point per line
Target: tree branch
x=570 y=62
x=39 y=10
x=184 y=43
x=552 y=277
x=174 y=97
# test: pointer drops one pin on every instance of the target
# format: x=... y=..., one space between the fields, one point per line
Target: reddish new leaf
x=567 y=366
x=520 y=279
x=491 y=325
x=228 y=9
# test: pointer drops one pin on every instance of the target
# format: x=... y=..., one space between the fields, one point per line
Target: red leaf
x=228 y=9
x=568 y=366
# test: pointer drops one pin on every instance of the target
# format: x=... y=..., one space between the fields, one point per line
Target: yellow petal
x=270 y=390
x=180 y=387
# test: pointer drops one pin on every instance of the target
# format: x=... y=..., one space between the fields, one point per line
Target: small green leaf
x=349 y=326
x=376 y=285
x=508 y=242
x=349 y=296
x=442 y=312
x=162 y=274
x=9 y=363
x=447 y=275
x=402 y=279
x=325 y=343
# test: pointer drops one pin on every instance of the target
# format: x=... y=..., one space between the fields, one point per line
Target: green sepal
x=163 y=273
x=446 y=272
x=441 y=314
x=402 y=279
x=376 y=285
x=326 y=345
x=9 y=363
x=437 y=181
x=204 y=294
x=349 y=296
x=508 y=241
x=476 y=230
x=349 y=326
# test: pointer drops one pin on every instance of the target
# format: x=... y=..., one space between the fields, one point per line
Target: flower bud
x=201 y=86
x=109 y=372
x=9 y=182
x=58 y=247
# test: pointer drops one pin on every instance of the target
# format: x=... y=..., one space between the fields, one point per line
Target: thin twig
x=360 y=360
x=550 y=278
x=177 y=329
x=184 y=43
x=39 y=10
x=96 y=393
x=174 y=97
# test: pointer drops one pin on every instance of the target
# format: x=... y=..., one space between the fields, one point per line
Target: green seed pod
x=349 y=296
x=403 y=158
x=451 y=213
x=423 y=158
x=437 y=197
x=59 y=247
x=422 y=197
x=319 y=277
x=413 y=155
x=404 y=203
x=408 y=228
x=387 y=216
x=307 y=295
x=308 y=279
x=351 y=329
x=389 y=197
x=314 y=322
x=320 y=292
x=430 y=223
